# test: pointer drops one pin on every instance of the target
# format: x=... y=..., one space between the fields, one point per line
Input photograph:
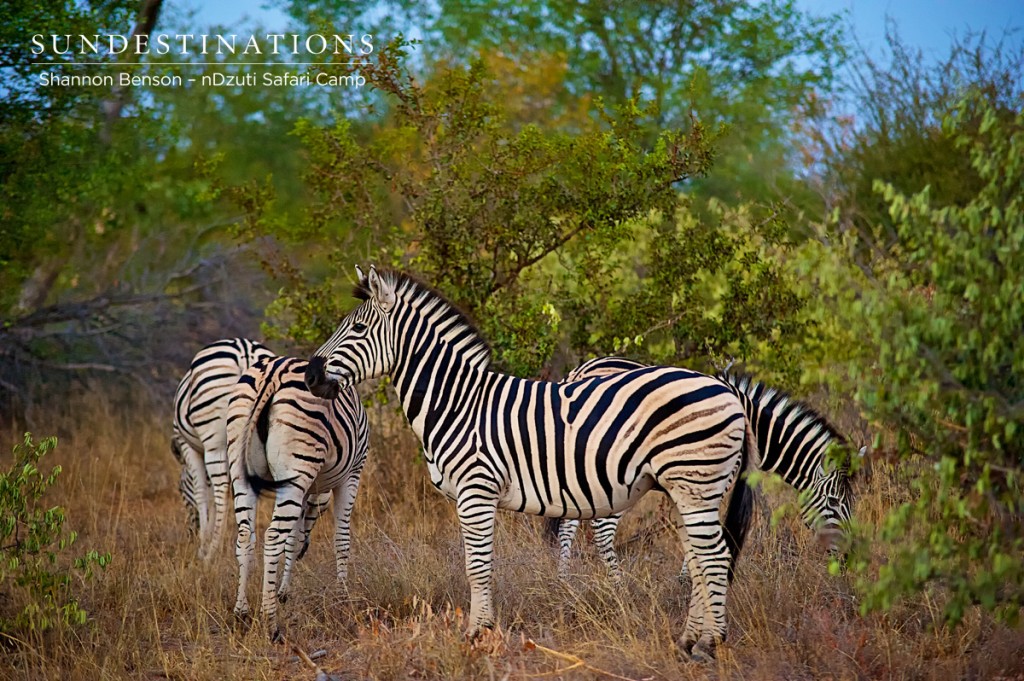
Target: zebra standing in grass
x=198 y=438
x=282 y=438
x=199 y=441
x=792 y=440
x=583 y=450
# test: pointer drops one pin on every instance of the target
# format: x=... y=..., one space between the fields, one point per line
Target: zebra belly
x=562 y=505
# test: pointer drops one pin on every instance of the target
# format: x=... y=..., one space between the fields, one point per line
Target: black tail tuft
x=551 y=530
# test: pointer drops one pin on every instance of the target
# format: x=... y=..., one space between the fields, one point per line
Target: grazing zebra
x=198 y=438
x=581 y=450
x=792 y=441
x=282 y=438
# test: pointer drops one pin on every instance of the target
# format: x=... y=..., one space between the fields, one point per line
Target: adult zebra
x=581 y=450
x=282 y=438
x=198 y=437
x=792 y=441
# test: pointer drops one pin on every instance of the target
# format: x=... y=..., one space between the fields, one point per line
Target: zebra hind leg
x=701 y=532
x=298 y=541
x=287 y=520
x=344 y=500
x=245 y=542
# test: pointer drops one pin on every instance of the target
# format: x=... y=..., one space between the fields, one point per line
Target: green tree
x=751 y=66
x=926 y=333
x=896 y=136
x=108 y=226
x=551 y=239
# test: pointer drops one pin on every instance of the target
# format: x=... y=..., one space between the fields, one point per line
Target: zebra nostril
x=315 y=374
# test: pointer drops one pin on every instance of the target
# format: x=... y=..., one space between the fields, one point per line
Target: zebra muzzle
x=317 y=381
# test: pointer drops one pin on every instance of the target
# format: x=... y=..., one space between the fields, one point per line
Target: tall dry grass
x=158 y=613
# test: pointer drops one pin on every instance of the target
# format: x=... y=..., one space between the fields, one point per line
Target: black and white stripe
x=792 y=440
x=585 y=450
x=198 y=437
x=282 y=438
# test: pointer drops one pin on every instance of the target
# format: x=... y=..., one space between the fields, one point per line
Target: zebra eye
x=359 y=327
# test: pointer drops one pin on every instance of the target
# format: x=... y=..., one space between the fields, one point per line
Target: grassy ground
x=157 y=613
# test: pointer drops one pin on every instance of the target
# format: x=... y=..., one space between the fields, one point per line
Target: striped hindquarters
x=200 y=402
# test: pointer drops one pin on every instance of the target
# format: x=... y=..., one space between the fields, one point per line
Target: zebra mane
x=427 y=298
x=781 y=405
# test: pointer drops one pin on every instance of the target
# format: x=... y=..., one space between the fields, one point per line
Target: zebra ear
x=862 y=451
x=381 y=291
x=359 y=274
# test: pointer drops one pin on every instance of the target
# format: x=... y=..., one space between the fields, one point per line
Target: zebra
x=199 y=441
x=304 y=447
x=792 y=440
x=198 y=438
x=578 y=450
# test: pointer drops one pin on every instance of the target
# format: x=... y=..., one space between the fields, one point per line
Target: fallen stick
x=530 y=644
x=321 y=675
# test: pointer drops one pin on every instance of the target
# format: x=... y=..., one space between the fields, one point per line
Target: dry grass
x=157 y=613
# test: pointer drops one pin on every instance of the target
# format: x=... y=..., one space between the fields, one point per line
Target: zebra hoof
x=703 y=652
x=685 y=646
x=479 y=631
x=242 y=617
x=275 y=635
x=282 y=596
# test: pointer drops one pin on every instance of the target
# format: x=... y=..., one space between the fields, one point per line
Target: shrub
x=927 y=334
x=36 y=579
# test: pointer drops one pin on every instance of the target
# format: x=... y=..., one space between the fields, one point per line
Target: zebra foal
x=579 y=450
x=793 y=441
x=284 y=439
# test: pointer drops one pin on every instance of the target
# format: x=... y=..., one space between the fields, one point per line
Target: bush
x=927 y=334
x=37 y=582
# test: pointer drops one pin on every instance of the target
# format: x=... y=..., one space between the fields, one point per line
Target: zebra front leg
x=289 y=508
x=245 y=541
x=477 y=509
x=566 y=533
x=604 y=540
x=344 y=501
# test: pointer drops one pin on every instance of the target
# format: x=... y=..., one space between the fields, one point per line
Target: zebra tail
x=257 y=420
x=551 y=526
x=741 y=503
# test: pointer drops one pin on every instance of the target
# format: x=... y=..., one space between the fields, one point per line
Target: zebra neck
x=433 y=381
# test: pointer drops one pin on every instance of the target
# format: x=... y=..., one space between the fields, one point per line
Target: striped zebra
x=282 y=438
x=792 y=441
x=198 y=437
x=579 y=450
x=199 y=441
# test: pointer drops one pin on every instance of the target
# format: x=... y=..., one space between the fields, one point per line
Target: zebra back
x=201 y=398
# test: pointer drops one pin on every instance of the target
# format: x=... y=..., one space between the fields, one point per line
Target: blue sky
x=928 y=24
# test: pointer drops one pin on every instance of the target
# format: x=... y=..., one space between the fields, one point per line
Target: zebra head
x=361 y=347
x=827 y=504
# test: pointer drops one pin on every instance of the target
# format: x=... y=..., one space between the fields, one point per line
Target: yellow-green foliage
x=34 y=571
x=572 y=237
x=925 y=334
